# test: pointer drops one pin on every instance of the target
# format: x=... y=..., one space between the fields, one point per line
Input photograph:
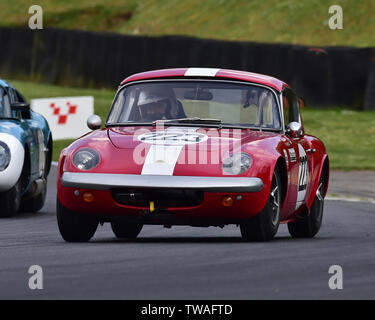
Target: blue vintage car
x=25 y=154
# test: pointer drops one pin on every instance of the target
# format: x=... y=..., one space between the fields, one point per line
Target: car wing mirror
x=294 y=129
x=94 y=122
x=21 y=106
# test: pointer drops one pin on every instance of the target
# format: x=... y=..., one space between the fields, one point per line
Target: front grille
x=162 y=198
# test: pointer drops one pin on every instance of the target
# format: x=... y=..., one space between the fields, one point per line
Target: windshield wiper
x=188 y=120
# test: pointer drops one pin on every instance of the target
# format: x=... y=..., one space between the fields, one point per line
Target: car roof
x=209 y=73
x=5 y=84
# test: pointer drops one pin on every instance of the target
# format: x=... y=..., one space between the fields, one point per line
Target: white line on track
x=349 y=199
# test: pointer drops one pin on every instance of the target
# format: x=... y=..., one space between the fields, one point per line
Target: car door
x=297 y=151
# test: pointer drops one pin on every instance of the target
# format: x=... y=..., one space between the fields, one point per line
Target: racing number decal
x=302 y=181
x=303 y=176
x=173 y=137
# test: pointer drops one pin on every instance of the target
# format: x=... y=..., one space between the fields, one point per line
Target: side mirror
x=21 y=106
x=94 y=122
x=294 y=129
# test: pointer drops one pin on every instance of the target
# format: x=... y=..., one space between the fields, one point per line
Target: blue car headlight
x=86 y=159
x=4 y=156
x=237 y=163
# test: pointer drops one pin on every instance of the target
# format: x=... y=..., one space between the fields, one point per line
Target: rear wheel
x=10 y=201
x=264 y=225
x=126 y=229
x=75 y=226
x=35 y=203
x=308 y=226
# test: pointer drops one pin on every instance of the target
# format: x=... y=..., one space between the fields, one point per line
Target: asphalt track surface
x=189 y=263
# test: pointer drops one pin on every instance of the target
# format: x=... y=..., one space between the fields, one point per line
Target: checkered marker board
x=66 y=116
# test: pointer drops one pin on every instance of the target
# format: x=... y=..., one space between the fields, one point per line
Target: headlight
x=4 y=156
x=237 y=163
x=86 y=159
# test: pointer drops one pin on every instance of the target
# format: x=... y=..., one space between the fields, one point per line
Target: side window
x=4 y=104
x=269 y=111
x=12 y=95
x=290 y=106
x=17 y=97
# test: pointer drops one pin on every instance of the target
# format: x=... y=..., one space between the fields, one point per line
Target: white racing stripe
x=201 y=72
x=161 y=159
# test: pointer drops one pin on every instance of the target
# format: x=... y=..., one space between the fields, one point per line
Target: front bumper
x=107 y=181
x=249 y=194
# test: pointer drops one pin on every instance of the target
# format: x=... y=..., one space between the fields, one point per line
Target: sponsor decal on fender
x=292 y=153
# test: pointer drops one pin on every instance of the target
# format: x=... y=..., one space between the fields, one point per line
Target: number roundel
x=303 y=175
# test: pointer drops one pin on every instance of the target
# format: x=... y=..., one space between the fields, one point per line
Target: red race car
x=198 y=147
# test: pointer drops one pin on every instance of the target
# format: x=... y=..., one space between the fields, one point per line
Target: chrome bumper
x=106 y=181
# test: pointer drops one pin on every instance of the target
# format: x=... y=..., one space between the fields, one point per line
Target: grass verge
x=287 y=21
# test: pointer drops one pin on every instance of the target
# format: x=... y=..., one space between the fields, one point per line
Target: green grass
x=348 y=135
x=287 y=21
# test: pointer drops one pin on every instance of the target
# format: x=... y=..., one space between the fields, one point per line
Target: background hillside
x=287 y=21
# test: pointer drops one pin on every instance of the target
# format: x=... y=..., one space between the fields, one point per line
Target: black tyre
x=308 y=226
x=34 y=204
x=126 y=229
x=10 y=201
x=264 y=225
x=75 y=226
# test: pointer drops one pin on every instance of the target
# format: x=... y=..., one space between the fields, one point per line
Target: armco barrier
x=370 y=88
x=328 y=76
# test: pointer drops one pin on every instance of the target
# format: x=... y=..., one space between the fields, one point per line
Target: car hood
x=181 y=151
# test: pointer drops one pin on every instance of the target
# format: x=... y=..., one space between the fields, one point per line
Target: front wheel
x=126 y=229
x=35 y=203
x=75 y=226
x=264 y=225
x=309 y=226
x=10 y=201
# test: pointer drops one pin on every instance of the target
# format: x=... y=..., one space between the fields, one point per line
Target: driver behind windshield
x=155 y=111
x=158 y=104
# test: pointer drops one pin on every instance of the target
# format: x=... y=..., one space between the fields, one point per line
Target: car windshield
x=209 y=102
x=5 y=111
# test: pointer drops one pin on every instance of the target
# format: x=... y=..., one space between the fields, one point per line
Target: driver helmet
x=157 y=103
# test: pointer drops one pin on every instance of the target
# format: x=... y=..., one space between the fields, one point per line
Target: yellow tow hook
x=152 y=206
